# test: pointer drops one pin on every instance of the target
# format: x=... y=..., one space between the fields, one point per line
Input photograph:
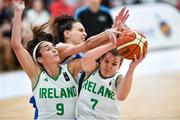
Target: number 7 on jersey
x=94 y=103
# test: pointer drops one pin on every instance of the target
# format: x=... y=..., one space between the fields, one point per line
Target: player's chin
x=107 y=72
x=55 y=59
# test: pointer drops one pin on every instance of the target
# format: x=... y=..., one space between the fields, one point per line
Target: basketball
x=131 y=43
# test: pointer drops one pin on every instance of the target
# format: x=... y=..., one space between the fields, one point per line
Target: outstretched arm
x=124 y=83
x=89 y=44
x=22 y=54
x=98 y=39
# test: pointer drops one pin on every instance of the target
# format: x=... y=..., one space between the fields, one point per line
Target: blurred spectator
x=47 y=4
x=7 y=57
x=37 y=15
x=6 y=54
x=94 y=17
x=5 y=12
x=60 y=7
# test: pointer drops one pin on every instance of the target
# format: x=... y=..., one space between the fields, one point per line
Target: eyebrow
x=109 y=60
x=82 y=29
x=46 y=46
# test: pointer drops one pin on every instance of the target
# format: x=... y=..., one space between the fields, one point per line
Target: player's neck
x=52 y=70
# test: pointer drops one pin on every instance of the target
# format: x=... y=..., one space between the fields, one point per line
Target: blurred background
x=155 y=93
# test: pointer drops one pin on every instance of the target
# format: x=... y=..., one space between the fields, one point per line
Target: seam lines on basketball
x=142 y=40
x=136 y=41
x=133 y=37
x=140 y=44
x=139 y=41
x=127 y=44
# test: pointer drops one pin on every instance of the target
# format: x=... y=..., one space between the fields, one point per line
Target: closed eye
x=114 y=64
x=81 y=30
x=48 y=48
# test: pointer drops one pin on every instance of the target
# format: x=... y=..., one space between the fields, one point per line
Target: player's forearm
x=94 y=54
x=96 y=40
x=124 y=86
x=88 y=61
x=16 y=30
x=89 y=44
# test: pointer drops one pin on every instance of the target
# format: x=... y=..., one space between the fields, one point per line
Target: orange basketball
x=131 y=43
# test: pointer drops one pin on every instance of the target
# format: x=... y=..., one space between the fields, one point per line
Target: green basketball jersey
x=56 y=97
x=97 y=98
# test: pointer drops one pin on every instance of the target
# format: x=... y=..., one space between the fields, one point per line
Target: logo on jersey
x=109 y=83
x=66 y=77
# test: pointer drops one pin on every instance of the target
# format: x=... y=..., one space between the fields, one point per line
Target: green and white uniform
x=56 y=97
x=97 y=98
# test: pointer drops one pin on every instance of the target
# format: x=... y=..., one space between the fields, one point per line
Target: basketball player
x=103 y=86
x=68 y=30
x=54 y=85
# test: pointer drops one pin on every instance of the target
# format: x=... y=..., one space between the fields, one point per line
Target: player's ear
x=66 y=33
x=39 y=59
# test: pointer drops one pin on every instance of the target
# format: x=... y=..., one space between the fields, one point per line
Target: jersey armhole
x=37 y=80
x=115 y=82
x=67 y=66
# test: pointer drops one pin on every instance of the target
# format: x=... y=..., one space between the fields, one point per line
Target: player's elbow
x=121 y=97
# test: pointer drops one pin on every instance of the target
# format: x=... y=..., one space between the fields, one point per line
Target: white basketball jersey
x=97 y=98
x=56 y=97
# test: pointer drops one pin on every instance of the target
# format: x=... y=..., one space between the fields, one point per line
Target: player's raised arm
x=22 y=54
x=124 y=83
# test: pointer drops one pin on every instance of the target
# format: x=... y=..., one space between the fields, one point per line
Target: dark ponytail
x=38 y=36
x=60 y=24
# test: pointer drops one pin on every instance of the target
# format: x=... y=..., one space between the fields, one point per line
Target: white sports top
x=56 y=97
x=97 y=98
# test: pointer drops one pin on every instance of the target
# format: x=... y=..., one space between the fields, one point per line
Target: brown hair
x=38 y=36
x=60 y=24
x=115 y=53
